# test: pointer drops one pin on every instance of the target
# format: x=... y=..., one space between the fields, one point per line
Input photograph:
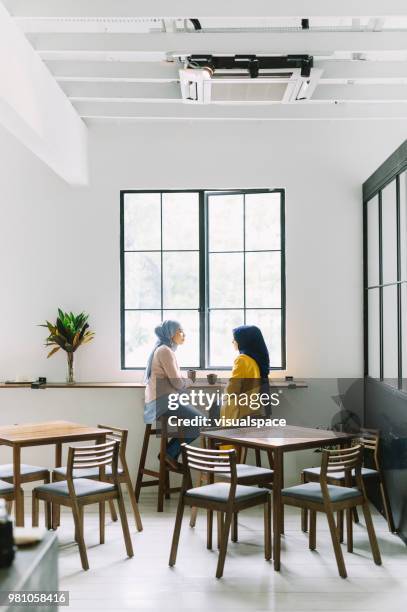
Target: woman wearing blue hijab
x=163 y=376
x=249 y=374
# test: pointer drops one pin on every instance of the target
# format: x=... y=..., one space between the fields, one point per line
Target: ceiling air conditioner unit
x=247 y=79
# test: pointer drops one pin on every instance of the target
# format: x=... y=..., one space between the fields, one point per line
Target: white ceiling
x=111 y=57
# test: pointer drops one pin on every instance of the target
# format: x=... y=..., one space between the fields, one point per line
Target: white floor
x=307 y=580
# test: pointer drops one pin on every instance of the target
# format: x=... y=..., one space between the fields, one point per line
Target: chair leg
x=113 y=513
x=349 y=529
x=267 y=530
x=220 y=519
x=304 y=511
x=258 y=457
x=162 y=478
x=355 y=515
x=9 y=507
x=133 y=501
x=102 y=512
x=224 y=544
x=177 y=531
x=234 y=527
x=78 y=520
x=336 y=545
x=124 y=523
x=340 y=525
x=192 y=520
x=209 y=528
x=55 y=513
x=372 y=534
x=35 y=510
x=142 y=462
x=386 y=504
x=48 y=517
x=312 y=530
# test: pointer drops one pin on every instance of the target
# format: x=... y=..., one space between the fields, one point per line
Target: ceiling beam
x=210 y=8
x=34 y=108
x=313 y=43
x=307 y=111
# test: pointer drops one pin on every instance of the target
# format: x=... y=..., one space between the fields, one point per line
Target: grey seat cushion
x=83 y=486
x=219 y=492
x=249 y=471
x=366 y=472
x=6 y=470
x=312 y=492
x=89 y=473
x=5 y=488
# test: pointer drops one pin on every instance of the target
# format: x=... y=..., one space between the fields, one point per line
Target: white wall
x=59 y=245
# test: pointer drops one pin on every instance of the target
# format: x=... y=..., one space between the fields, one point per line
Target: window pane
x=221 y=324
x=403 y=225
x=263 y=280
x=142 y=221
x=225 y=222
x=269 y=321
x=180 y=221
x=139 y=336
x=390 y=366
x=374 y=333
x=263 y=231
x=226 y=280
x=181 y=280
x=143 y=280
x=389 y=233
x=373 y=241
x=404 y=333
x=187 y=353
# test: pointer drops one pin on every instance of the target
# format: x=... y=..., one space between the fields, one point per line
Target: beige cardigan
x=166 y=377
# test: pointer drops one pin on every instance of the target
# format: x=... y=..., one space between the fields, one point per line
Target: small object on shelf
x=191 y=375
x=38 y=384
x=212 y=378
x=7 y=548
x=289 y=378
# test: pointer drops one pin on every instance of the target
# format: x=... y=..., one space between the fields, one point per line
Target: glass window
x=374 y=333
x=373 y=241
x=389 y=233
x=212 y=261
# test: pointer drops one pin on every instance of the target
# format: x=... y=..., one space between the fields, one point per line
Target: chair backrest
x=117 y=435
x=97 y=456
x=210 y=461
x=342 y=460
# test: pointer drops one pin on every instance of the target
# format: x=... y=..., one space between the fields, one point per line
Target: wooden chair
x=323 y=497
x=370 y=440
x=162 y=475
x=29 y=473
x=119 y=435
x=224 y=498
x=76 y=493
x=252 y=475
x=7 y=492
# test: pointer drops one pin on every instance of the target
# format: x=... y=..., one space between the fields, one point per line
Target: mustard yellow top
x=242 y=384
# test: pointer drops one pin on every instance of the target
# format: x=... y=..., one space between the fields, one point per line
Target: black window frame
x=203 y=273
x=391 y=170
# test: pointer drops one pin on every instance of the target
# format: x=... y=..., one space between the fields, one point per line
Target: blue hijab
x=164 y=332
x=251 y=342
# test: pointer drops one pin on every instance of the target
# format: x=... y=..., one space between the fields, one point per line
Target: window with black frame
x=386 y=280
x=212 y=260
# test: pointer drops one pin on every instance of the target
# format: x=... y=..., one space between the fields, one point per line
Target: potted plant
x=68 y=333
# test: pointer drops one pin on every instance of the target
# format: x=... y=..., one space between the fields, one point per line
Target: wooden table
x=39 y=434
x=278 y=440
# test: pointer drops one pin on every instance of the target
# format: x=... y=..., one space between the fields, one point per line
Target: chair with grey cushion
x=119 y=435
x=225 y=498
x=76 y=493
x=29 y=473
x=327 y=498
x=7 y=491
x=370 y=440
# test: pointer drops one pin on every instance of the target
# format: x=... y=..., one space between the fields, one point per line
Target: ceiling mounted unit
x=246 y=79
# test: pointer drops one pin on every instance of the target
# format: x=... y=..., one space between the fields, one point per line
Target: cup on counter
x=211 y=378
x=191 y=375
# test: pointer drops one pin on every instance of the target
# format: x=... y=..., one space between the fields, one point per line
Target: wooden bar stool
x=162 y=476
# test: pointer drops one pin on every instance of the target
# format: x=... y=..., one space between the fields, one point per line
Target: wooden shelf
x=274 y=382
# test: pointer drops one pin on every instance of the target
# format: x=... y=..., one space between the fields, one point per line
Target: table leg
x=17 y=486
x=56 y=508
x=58 y=454
x=277 y=486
